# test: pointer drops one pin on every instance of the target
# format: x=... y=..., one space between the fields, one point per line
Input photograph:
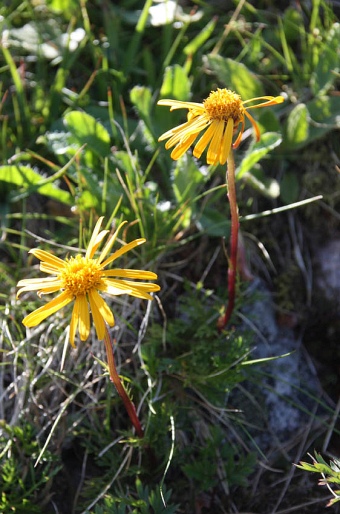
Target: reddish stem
x=232 y=268
x=130 y=408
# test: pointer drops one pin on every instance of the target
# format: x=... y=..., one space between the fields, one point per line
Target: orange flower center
x=80 y=275
x=223 y=104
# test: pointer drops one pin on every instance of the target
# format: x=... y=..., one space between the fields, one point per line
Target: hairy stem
x=232 y=268
x=130 y=408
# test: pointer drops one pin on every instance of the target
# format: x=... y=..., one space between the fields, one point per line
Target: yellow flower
x=219 y=116
x=81 y=279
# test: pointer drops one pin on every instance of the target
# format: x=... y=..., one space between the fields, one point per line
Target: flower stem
x=232 y=264
x=130 y=408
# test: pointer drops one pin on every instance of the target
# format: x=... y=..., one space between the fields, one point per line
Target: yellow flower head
x=219 y=116
x=81 y=279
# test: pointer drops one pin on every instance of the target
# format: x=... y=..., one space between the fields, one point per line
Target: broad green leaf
x=267 y=186
x=311 y=121
x=268 y=121
x=186 y=179
x=176 y=83
x=141 y=97
x=91 y=195
x=235 y=76
x=24 y=177
x=66 y=7
x=328 y=64
x=268 y=142
x=289 y=187
x=297 y=127
x=214 y=223
x=325 y=112
x=87 y=130
x=292 y=23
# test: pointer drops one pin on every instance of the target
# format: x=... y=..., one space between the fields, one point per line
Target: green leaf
x=197 y=42
x=325 y=115
x=235 y=76
x=214 y=223
x=292 y=23
x=328 y=64
x=176 y=83
x=268 y=142
x=265 y=185
x=24 y=177
x=187 y=176
x=268 y=121
x=66 y=7
x=289 y=187
x=87 y=130
x=297 y=126
x=141 y=97
x=310 y=121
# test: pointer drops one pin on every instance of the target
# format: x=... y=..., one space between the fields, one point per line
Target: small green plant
x=330 y=474
x=24 y=487
x=143 y=501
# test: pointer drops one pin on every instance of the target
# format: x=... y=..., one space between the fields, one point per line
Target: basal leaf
x=176 y=83
x=186 y=179
x=87 y=130
x=268 y=142
x=328 y=64
x=16 y=177
x=197 y=42
x=235 y=76
x=141 y=97
x=311 y=121
x=325 y=112
x=289 y=187
x=297 y=127
x=267 y=186
x=214 y=223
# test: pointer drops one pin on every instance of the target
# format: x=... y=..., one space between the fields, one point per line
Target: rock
x=287 y=390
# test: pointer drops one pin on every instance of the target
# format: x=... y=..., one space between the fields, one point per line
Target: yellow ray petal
x=255 y=126
x=121 y=251
x=37 y=316
x=178 y=104
x=49 y=290
x=136 y=289
x=239 y=137
x=203 y=142
x=215 y=144
x=47 y=268
x=33 y=284
x=226 y=141
x=110 y=242
x=183 y=146
x=194 y=126
x=74 y=323
x=130 y=273
x=96 y=238
x=84 y=317
x=49 y=258
x=270 y=100
x=126 y=285
x=100 y=313
x=173 y=131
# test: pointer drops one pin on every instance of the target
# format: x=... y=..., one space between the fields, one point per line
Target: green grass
x=79 y=129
